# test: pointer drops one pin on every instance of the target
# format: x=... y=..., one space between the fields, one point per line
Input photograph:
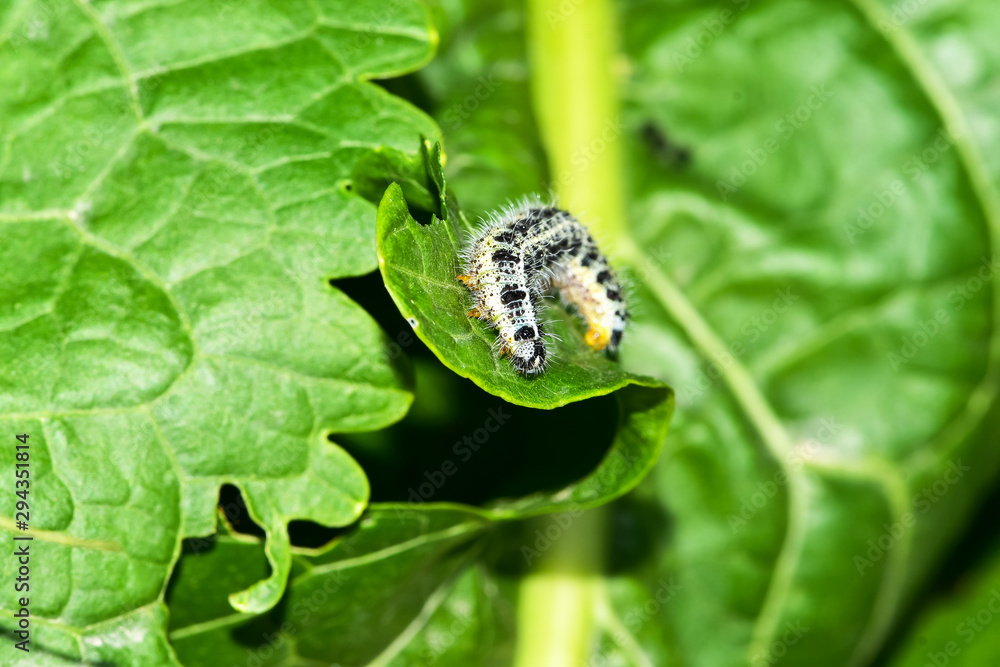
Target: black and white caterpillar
x=517 y=257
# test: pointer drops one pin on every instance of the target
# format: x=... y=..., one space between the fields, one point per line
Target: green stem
x=575 y=98
x=556 y=602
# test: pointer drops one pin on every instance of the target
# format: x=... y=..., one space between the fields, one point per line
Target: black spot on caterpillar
x=516 y=257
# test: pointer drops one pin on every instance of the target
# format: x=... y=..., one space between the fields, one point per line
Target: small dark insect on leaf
x=666 y=152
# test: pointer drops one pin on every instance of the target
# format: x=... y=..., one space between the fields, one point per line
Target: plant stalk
x=572 y=46
x=557 y=600
x=575 y=96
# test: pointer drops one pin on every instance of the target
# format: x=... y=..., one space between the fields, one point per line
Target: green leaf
x=418 y=264
x=958 y=629
x=360 y=600
x=462 y=624
x=174 y=197
x=394 y=590
x=135 y=638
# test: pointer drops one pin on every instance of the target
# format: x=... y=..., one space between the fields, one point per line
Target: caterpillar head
x=529 y=357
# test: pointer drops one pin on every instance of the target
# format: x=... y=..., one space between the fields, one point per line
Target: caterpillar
x=516 y=257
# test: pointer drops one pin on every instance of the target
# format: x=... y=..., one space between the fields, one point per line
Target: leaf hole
x=233 y=507
x=312 y=535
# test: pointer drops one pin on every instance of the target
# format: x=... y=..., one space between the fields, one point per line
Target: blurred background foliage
x=840 y=154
